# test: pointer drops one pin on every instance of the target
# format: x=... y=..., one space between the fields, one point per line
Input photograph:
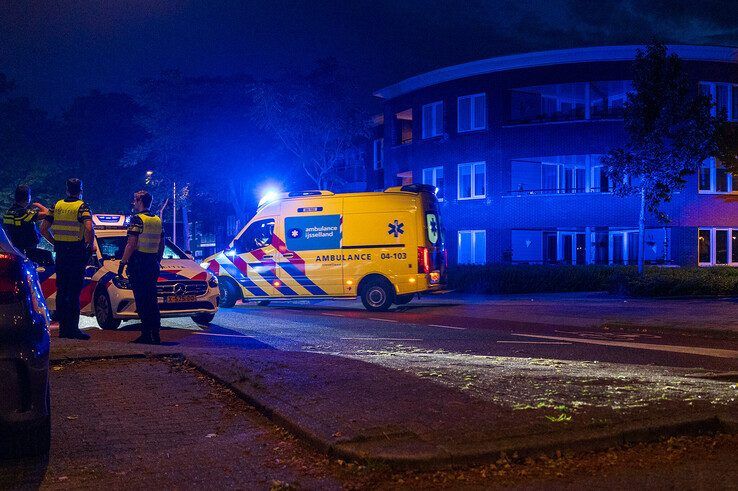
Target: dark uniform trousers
x=71 y=259
x=143 y=273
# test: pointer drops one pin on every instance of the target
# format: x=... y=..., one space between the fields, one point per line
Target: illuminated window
x=724 y=97
x=472 y=112
x=717 y=246
x=472 y=180
x=472 y=247
x=434 y=177
x=433 y=119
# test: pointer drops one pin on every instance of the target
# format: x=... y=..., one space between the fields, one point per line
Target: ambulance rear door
x=311 y=251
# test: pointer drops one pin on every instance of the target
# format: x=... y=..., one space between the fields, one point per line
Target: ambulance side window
x=258 y=235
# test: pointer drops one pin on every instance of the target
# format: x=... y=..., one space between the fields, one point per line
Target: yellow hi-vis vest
x=150 y=237
x=66 y=227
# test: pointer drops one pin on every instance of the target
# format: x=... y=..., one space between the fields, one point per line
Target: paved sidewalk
x=355 y=409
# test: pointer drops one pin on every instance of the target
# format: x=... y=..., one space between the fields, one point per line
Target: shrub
x=655 y=282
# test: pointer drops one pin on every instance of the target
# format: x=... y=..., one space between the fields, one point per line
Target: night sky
x=57 y=50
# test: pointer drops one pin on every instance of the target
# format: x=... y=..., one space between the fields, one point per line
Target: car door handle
x=288 y=255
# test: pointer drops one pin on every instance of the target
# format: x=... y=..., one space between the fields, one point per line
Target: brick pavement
x=152 y=423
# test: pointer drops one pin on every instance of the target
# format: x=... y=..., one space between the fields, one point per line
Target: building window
x=717 y=246
x=434 y=177
x=433 y=119
x=714 y=178
x=724 y=97
x=472 y=112
x=405 y=178
x=623 y=247
x=569 y=102
x=472 y=247
x=561 y=174
x=378 y=153
x=404 y=127
x=472 y=178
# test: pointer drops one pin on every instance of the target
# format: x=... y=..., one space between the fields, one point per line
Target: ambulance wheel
x=104 y=312
x=377 y=295
x=229 y=292
x=203 y=319
x=404 y=299
x=263 y=303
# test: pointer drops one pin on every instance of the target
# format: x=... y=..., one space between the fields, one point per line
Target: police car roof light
x=309 y=192
x=110 y=220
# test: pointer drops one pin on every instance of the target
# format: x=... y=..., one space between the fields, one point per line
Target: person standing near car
x=20 y=222
x=68 y=226
x=141 y=257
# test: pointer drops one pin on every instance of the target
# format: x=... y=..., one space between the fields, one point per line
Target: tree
x=28 y=147
x=97 y=130
x=318 y=118
x=670 y=133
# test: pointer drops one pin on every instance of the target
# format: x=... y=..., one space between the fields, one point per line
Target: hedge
x=656 y=281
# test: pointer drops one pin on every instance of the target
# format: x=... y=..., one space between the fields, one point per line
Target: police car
x=184 y=290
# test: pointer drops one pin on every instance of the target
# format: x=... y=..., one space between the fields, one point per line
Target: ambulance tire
x=104 y=312
x=377 y=294
x=404 y=299
x=230 y=293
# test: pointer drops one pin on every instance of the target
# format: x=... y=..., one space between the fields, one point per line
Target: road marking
x=332 y=315
x=220 y=335
x=448 y=327
x=381 y=339
x=383 y=320
x=532 y=342
x=689 y=350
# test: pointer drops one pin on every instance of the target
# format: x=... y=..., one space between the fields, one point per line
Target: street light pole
x=174 y=213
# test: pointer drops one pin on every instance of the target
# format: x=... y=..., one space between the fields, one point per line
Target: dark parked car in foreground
x=25 y=409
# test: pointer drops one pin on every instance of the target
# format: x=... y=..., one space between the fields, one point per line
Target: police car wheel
x=377 y=295
x=203 y=319
x=229 y=292
x=104 y=312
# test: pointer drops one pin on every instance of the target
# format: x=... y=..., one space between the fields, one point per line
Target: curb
x=594 y=440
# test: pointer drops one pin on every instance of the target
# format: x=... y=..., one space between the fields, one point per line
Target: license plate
x=178 y=299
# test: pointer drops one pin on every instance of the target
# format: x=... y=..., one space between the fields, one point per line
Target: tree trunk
x=642 y=231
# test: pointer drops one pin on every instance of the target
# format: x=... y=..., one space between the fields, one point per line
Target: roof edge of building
x=725 y=54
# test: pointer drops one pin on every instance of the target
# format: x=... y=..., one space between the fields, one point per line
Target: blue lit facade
x=513 y=144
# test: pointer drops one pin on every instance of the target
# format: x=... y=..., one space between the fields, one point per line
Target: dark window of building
x=734 y=246
x=378 y=152
x=721 y=247
x=471 y=113
x=550 y=241
x=607 y=99
x=704 y=246
x=404 y=127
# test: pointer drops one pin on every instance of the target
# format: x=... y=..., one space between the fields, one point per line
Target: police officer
x=69 y=227
x=20 y=220
x=142 y=256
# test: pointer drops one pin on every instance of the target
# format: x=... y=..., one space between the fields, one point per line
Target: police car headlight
x=121 y=283
x=213 y=282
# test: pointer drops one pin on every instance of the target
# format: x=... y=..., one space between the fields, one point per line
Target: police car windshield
x=113 y=247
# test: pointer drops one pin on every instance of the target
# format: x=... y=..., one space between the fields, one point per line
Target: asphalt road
x=454 y=327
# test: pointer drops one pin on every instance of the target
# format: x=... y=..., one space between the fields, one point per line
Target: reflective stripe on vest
x=66 y=226
x=149 y=238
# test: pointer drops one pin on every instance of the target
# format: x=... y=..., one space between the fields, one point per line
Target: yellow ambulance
x=384 y=247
